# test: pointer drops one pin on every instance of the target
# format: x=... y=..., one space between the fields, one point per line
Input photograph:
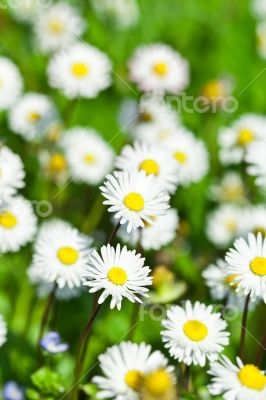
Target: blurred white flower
x=259 y=8
x=3 y=331
x=123 y=13
x=58 y=26
x=54 y=165
x=89 y=157
x=253 y=220
x=194 y=333
x=261 y=38
x=119 y=272
x=159 y=69
x=230 y=189
x=17 y=224
x=11 y=84
x=32 y=116
x=81 y=70
x=256 y=159
x=27 y=10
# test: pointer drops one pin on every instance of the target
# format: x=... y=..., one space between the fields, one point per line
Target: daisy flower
x=230 y=189
x=129 y=368
x=259 y=8
x=58 y=26
x=261 y=39
x=255 y=157
x=190 y=156
x=12 y=174
x=237 y=382
x=194 y=333
x=235 y=140
x=223 y=224
x=81 y=70
x=253 y=220
x=11 y=84
x=247 y=262
x=119 y=272
x=157 y=132
x=13 y=391
x=122 y=13
x=55 y=165
x=159 y=69
x=151 y=159
x=154 y=109
x=27 y=10
x=155 y=236
x=17 y=224
x=32 y=116
x=3 y=331
x=61 y=254
x=88 y=155
x=134 y=198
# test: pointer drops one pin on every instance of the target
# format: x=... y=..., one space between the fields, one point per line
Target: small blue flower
x=12 y=391
x=51 y=343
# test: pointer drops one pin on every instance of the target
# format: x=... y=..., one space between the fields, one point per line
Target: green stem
x=94 y=216
x=243 y=330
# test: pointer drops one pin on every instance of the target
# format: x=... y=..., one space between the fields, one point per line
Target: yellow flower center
x=260 y=229
x=214 y=89
x=117 y=276
x=89 y=158
x=134 y=379
x=258 y=266
x=162 y=275
x=195 y=330
x=80 y=70
x=134 y=201
x=158 y=383
x=230 y=279
x=251 y=377
x=160 y=68
x=231 y=225
x=7 y=220
x=180 y=157
x=67 y=255
x=57 y=163
x=56 y=26
x=145 y=116
x=150 y=167
x=33 y=117
x=245 y=136
x=234 y=193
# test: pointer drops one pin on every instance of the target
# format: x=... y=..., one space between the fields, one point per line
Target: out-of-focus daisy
x=122 y=13
x=257 y=162
x=153 y=237
x=216 y=91
x=134 y=198
x=61 y=254
x=237 y=382
x=223 y=224
x=158 y=68
x=230 y=189
x=10 y=83
x=13 y=391
x=194 y=333
x=261 y=38
x=151 y=159
x=158 y=132
x=119 y=272
x=88 y=155
x=3 y=331
x=247 y=263
x=17 y=224
x=27 y=10
x=11 y=174
x=253 y=220
x=55 y=165
x=259 y=8
x=81 y=70
x=32 y=116
x=51 y=342
x=235 y=140
x=190 y=156
x=58 y=26
x=131 y=368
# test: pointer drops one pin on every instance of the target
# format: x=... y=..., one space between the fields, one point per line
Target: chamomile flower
x=253 y=220
x=17 y=224
x=223 y=224
x=157 y=132
x=151 y=159
x=122 y=13
x=190 y=156
x=134 y=198
x=259 y=8
x=119 y=272
x=3 y=331
x=247 y=262
x=81 y=70
x=237 y=382
x=155 y=236
x=194 y=333
x=230 y=189
x=235 y=140
x=88 y=155
x=159 y=69
x=32 y=116
x=10 y=83
x=11 y=174
x=55 y=165
x=129 y=368
x=58 y=26
x=256 y=160
x=27 y=10
x=154 y=109
x=61 y=254
x=215 y=276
